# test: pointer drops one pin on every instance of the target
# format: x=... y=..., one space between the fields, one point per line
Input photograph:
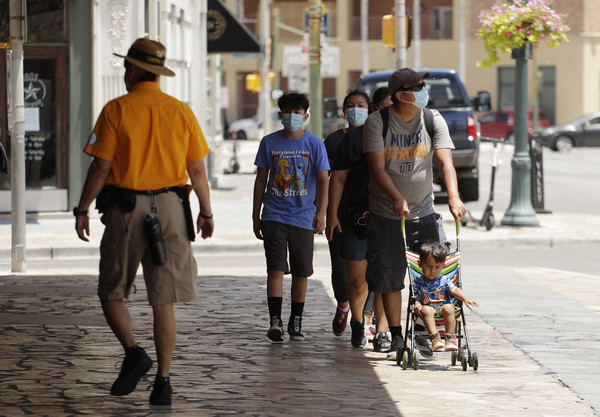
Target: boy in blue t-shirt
x=291 y=187
x=433 y=292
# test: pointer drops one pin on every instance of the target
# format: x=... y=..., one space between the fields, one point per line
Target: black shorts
x=386 y=259
x=278 y=238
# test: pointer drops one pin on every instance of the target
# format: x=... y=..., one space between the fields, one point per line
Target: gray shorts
x=386 y=259
x=278 y=238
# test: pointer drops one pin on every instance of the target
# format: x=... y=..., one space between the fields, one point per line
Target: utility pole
x=17 y=155
x=416 y=33
x=264 y=100
x=462 y=54
x=315 y=13
x=364 y=35
x=400 y=15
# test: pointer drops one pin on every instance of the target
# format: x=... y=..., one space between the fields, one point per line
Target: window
x=441 y=22
x=46 y=21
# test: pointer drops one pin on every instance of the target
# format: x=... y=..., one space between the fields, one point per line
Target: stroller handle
x=403 y=221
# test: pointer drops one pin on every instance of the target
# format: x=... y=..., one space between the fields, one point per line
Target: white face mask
x=356 y=116
x=421 y=98
x=292 y=121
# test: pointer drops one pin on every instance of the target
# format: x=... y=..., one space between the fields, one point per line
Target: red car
x=501 y=124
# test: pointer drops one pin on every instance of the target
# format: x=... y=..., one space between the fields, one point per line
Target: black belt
x=155 y=192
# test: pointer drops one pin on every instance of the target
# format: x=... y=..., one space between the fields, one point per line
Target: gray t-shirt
x=408 y=160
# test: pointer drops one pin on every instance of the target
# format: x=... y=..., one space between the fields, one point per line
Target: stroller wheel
x=415 y=362
x=453 y=358
x=463 y=362
x=474 y=361
x=404 y=360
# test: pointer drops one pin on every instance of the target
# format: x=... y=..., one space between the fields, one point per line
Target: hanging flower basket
x=508 y=25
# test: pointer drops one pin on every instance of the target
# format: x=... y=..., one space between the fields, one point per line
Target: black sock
x=162 y=379
x=274 y=307
x=131 y=350
x=396 y=331
x=297 y=308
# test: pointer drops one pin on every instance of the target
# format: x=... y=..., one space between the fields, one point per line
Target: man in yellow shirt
x=146 y=144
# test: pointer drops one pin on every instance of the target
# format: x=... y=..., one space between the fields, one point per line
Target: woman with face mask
x=346 y=225
x=356 y=109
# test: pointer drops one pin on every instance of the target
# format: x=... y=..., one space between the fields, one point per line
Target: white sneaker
x=368 y=334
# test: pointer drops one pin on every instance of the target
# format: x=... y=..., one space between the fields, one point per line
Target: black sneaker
x=161 y=392
x=397 y=343
x=358 y=339
x=134 y=367
x=295 y=328
x=275 y=333
x=381 y=343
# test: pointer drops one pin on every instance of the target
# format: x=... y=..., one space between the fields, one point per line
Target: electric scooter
x=487 y=219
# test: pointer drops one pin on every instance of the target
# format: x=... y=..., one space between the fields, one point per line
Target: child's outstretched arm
x=260 y=184
x=321 y=201
x=457 y=292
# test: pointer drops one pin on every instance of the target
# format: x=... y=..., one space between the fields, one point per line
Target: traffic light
x=253 y=82
x=388 y=30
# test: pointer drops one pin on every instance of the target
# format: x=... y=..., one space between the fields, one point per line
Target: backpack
x=385 y=117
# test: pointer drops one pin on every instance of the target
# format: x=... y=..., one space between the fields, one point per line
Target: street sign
x=324 y=21
x=296 y=55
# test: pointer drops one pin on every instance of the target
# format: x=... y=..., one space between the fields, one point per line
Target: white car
x=246 y=129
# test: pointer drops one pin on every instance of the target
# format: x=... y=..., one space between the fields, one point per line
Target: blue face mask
x=292 y=121
x=356 y=116
x=421 y=98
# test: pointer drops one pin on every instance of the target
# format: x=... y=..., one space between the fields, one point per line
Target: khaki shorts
x=124 y=246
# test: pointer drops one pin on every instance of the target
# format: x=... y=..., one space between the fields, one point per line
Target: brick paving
x=58 y=358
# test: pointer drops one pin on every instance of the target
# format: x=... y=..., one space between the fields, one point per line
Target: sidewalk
x=59 y=358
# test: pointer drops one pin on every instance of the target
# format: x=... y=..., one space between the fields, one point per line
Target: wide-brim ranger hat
x=148 y=55
x=404 y=76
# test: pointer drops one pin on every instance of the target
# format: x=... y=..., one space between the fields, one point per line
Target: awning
x=225 y=33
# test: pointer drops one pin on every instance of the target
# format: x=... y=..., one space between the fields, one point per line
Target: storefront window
x=40 y=122
x=46 y=21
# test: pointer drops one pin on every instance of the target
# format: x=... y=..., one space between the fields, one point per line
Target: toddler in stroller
x=436 y=298
x=434 y=294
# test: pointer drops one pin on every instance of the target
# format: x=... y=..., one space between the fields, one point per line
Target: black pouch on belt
x=184 y=195
x=155 y=239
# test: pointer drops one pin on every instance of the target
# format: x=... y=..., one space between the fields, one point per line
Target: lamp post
x=521 y=212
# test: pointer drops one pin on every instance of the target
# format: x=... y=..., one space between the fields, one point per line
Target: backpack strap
x=428 y=121
x=385 y=118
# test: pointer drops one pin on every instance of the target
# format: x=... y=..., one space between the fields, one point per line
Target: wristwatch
x=77 y=212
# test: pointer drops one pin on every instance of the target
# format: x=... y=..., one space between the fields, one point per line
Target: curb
x=255 y=246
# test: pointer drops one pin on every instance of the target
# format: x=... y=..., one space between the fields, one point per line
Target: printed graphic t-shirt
x=408 y=153
x=426 y=291
x=291 y=187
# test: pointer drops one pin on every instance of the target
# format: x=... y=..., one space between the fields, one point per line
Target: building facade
x=568 y=76
x=70 y=72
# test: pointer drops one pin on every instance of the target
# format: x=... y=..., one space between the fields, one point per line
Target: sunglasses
x=416 y=87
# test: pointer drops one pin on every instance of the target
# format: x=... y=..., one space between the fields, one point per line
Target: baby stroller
x=407 y=355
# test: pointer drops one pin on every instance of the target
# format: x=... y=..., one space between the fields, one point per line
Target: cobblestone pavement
x=59 y=358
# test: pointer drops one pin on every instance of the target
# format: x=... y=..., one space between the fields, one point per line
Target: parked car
x=501 y=124
x=333 y=119
x=583 y=131
x=245 y=128
x=448 y=95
